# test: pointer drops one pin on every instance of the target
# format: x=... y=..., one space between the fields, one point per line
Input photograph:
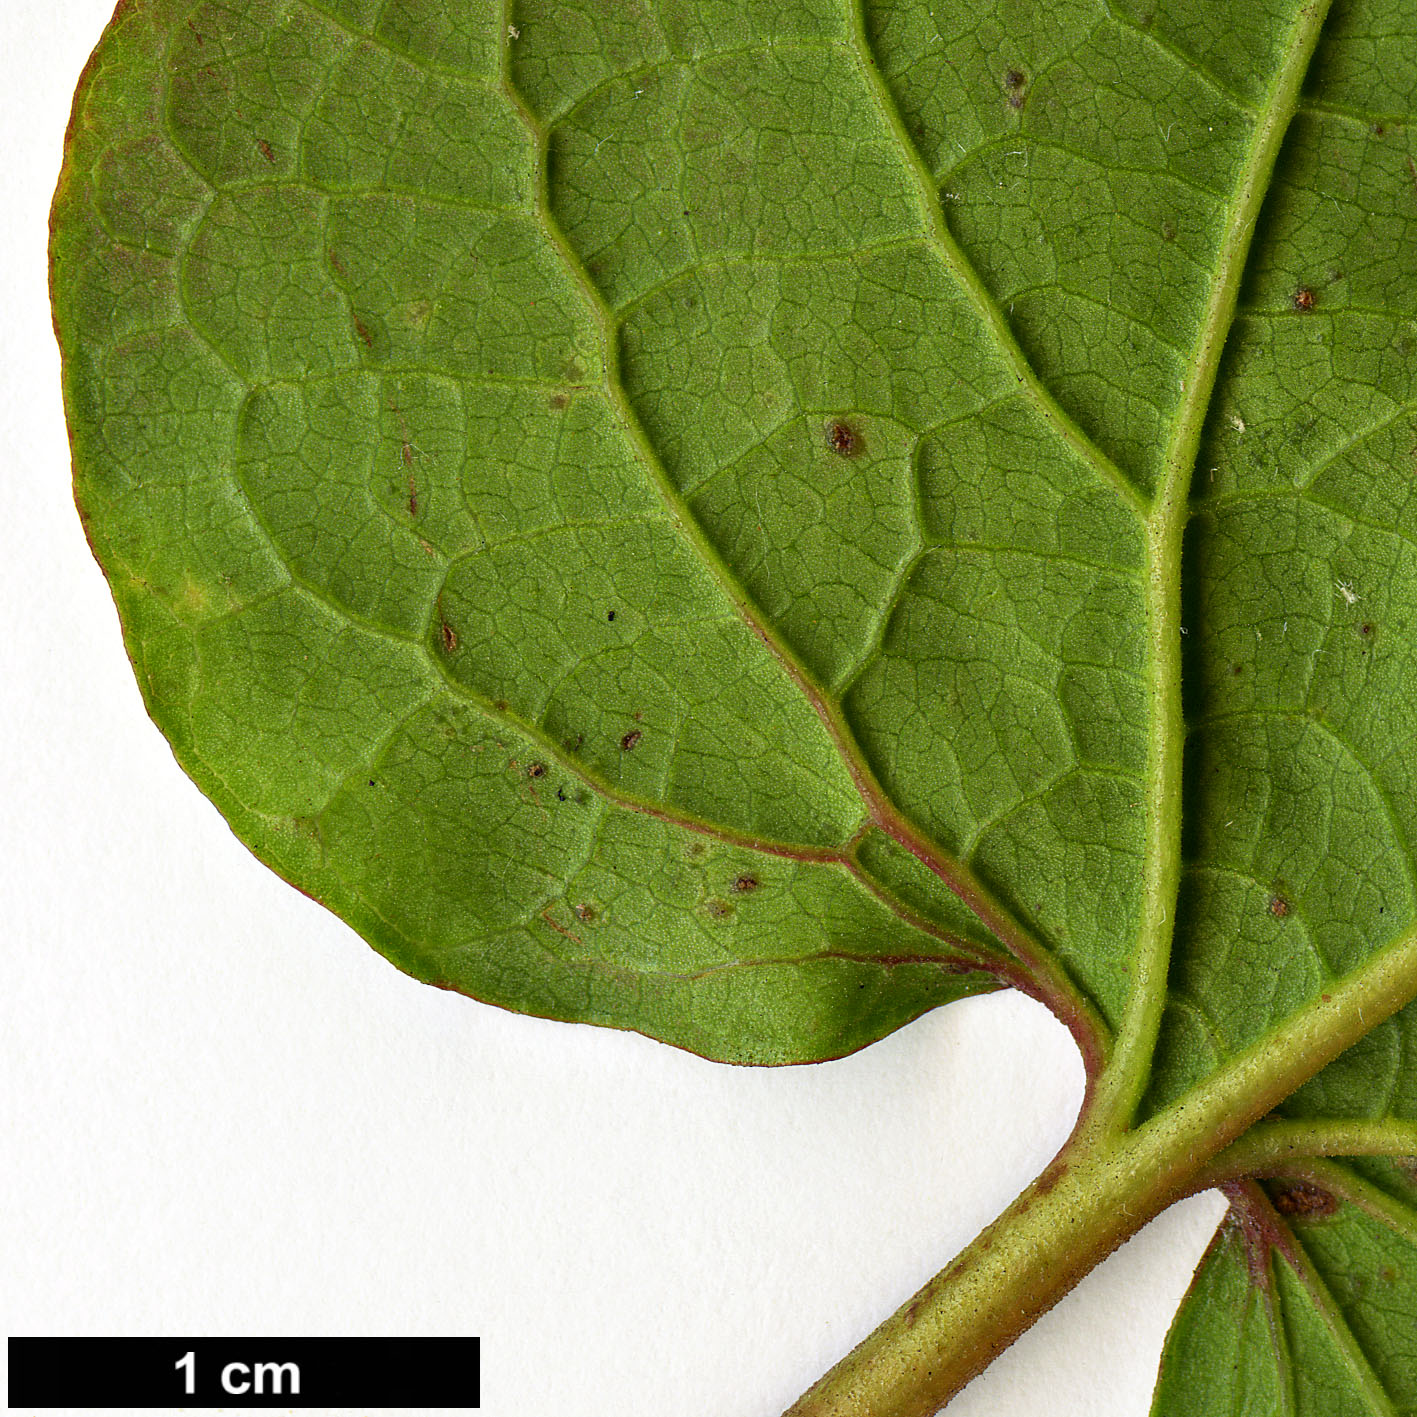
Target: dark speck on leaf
x=631 y=740
x=536 y=770
x=609 y=614
x=1302 y=299
x=843 y=439
x=717 y=909
x=1303 y=1199
x=561 y=794
x=745 y=884
x=1366 y=629
x=585 y=912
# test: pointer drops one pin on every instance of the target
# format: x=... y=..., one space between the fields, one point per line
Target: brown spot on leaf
x=844 y=440
x=267 y=151
x=1278 y=906
x=717 y=909
x=412 y=496
x=363 y=332
x=585 y=911
x=450 y=637
x=631 y=740
x=1366 y=629
x=536 y=769
x=745 y=884
x=1304 y=1200
x=558 y=401
x=1302 y=299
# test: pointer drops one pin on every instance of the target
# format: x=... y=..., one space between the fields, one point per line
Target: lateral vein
x=985 y=306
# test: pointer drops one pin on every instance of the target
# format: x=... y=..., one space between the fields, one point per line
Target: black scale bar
x=442 y=1373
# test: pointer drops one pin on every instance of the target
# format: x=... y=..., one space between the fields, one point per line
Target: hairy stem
x=1103 y=1187
x=1273 y=1144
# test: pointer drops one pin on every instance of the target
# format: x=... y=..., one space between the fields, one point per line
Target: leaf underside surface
x=1304 y=1304
x=749 y=521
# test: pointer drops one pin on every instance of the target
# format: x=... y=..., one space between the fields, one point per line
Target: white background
x=223 y=1114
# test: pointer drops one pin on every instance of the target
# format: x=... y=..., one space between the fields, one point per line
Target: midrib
x=1121 y=1089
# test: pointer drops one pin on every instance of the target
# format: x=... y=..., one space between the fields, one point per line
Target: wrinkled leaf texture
x=605 y=497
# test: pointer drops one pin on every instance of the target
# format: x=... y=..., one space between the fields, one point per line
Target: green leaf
x=750 y=522
x=1305 y=1302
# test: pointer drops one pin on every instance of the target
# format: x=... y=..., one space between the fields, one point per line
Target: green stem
x=1275 y=1143
x=1104 y=1186
x=1069 y=1220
